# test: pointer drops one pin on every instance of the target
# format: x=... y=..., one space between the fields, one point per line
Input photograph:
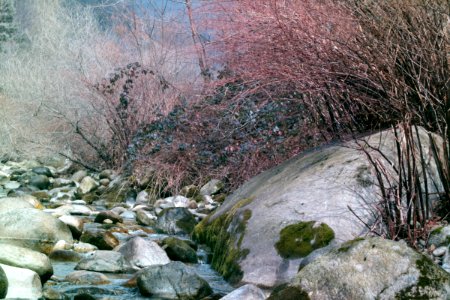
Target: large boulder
x=27 y=259
x=247 y=292
x=32 y=228
x=141 y=253
x=22 y=283
x=371 y=268
x=266 y=228
x=11 y=203
x=172 y=281
x=3 y=283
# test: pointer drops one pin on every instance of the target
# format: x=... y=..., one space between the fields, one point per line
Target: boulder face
x=371 y=268
x=26 y=258
x=172 y=281
x=266 y=228
x=3 y=284
x=32 y=228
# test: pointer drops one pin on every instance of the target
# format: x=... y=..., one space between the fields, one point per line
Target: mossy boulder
x=299 y=240
x=224 y=236
x=179 y=250
x=3 y=284
x=319 y=185
x=372 y=268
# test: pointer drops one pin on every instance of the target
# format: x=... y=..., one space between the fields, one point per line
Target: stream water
x=117 y=288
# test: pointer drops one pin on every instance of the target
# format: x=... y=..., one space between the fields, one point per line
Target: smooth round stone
x=83 y=247
x=12 y=185
x=87 y=277
x=440 y=251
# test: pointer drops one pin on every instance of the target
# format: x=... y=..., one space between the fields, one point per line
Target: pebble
x=440 y=251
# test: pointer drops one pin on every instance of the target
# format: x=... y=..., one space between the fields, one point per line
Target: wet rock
x=141 y=253
x=179 y=250
x=119 y=210
x=129 y=216
x=247 y=292
x=75 y=225
x=172 y=281
x=65 y=256
x=40 y=182
x=144 y=218
x=104 y=261
x=102 y=216
x=42 y=171
x=102 y=239
x=22 y=283
x=176 y=221
x=87 y=277
x=25 y=228
x=212 y=187
x=3 y=283
x=26 y=258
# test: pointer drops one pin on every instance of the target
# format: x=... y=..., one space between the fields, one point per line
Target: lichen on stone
x=299 y=240
x=224 y=235
x=430 y=279
x=288 y=292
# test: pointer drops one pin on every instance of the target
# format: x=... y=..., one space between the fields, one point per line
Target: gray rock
x=11 y=203
x=373 y=268
x=176 y=220
x=22 y=283
x=102 y=239
x=12 y=185
x=79 y=175
x=74 y=223
x=172 y=281
x=440 y=236
x=128 y=215
x=86 y=277
x=40 y=182
x=115 y=218
x=247 y=292
x=142 y=198
x=318 y=186
x=25 y=258
x=87 y=185
x=141 y=253
x=440 y=251
x=32 y=228
x=104 y=261
x=212 y=187
x=3 y=283
x=42 y=171
x=144 y=218
x=84 y=247
x=179 y=250
x=106 y=174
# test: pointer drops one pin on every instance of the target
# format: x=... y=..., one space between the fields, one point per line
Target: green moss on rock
x=288 y=292
x=349 y=244
x=299 y=240
x=224 y=235
x=431 y=278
